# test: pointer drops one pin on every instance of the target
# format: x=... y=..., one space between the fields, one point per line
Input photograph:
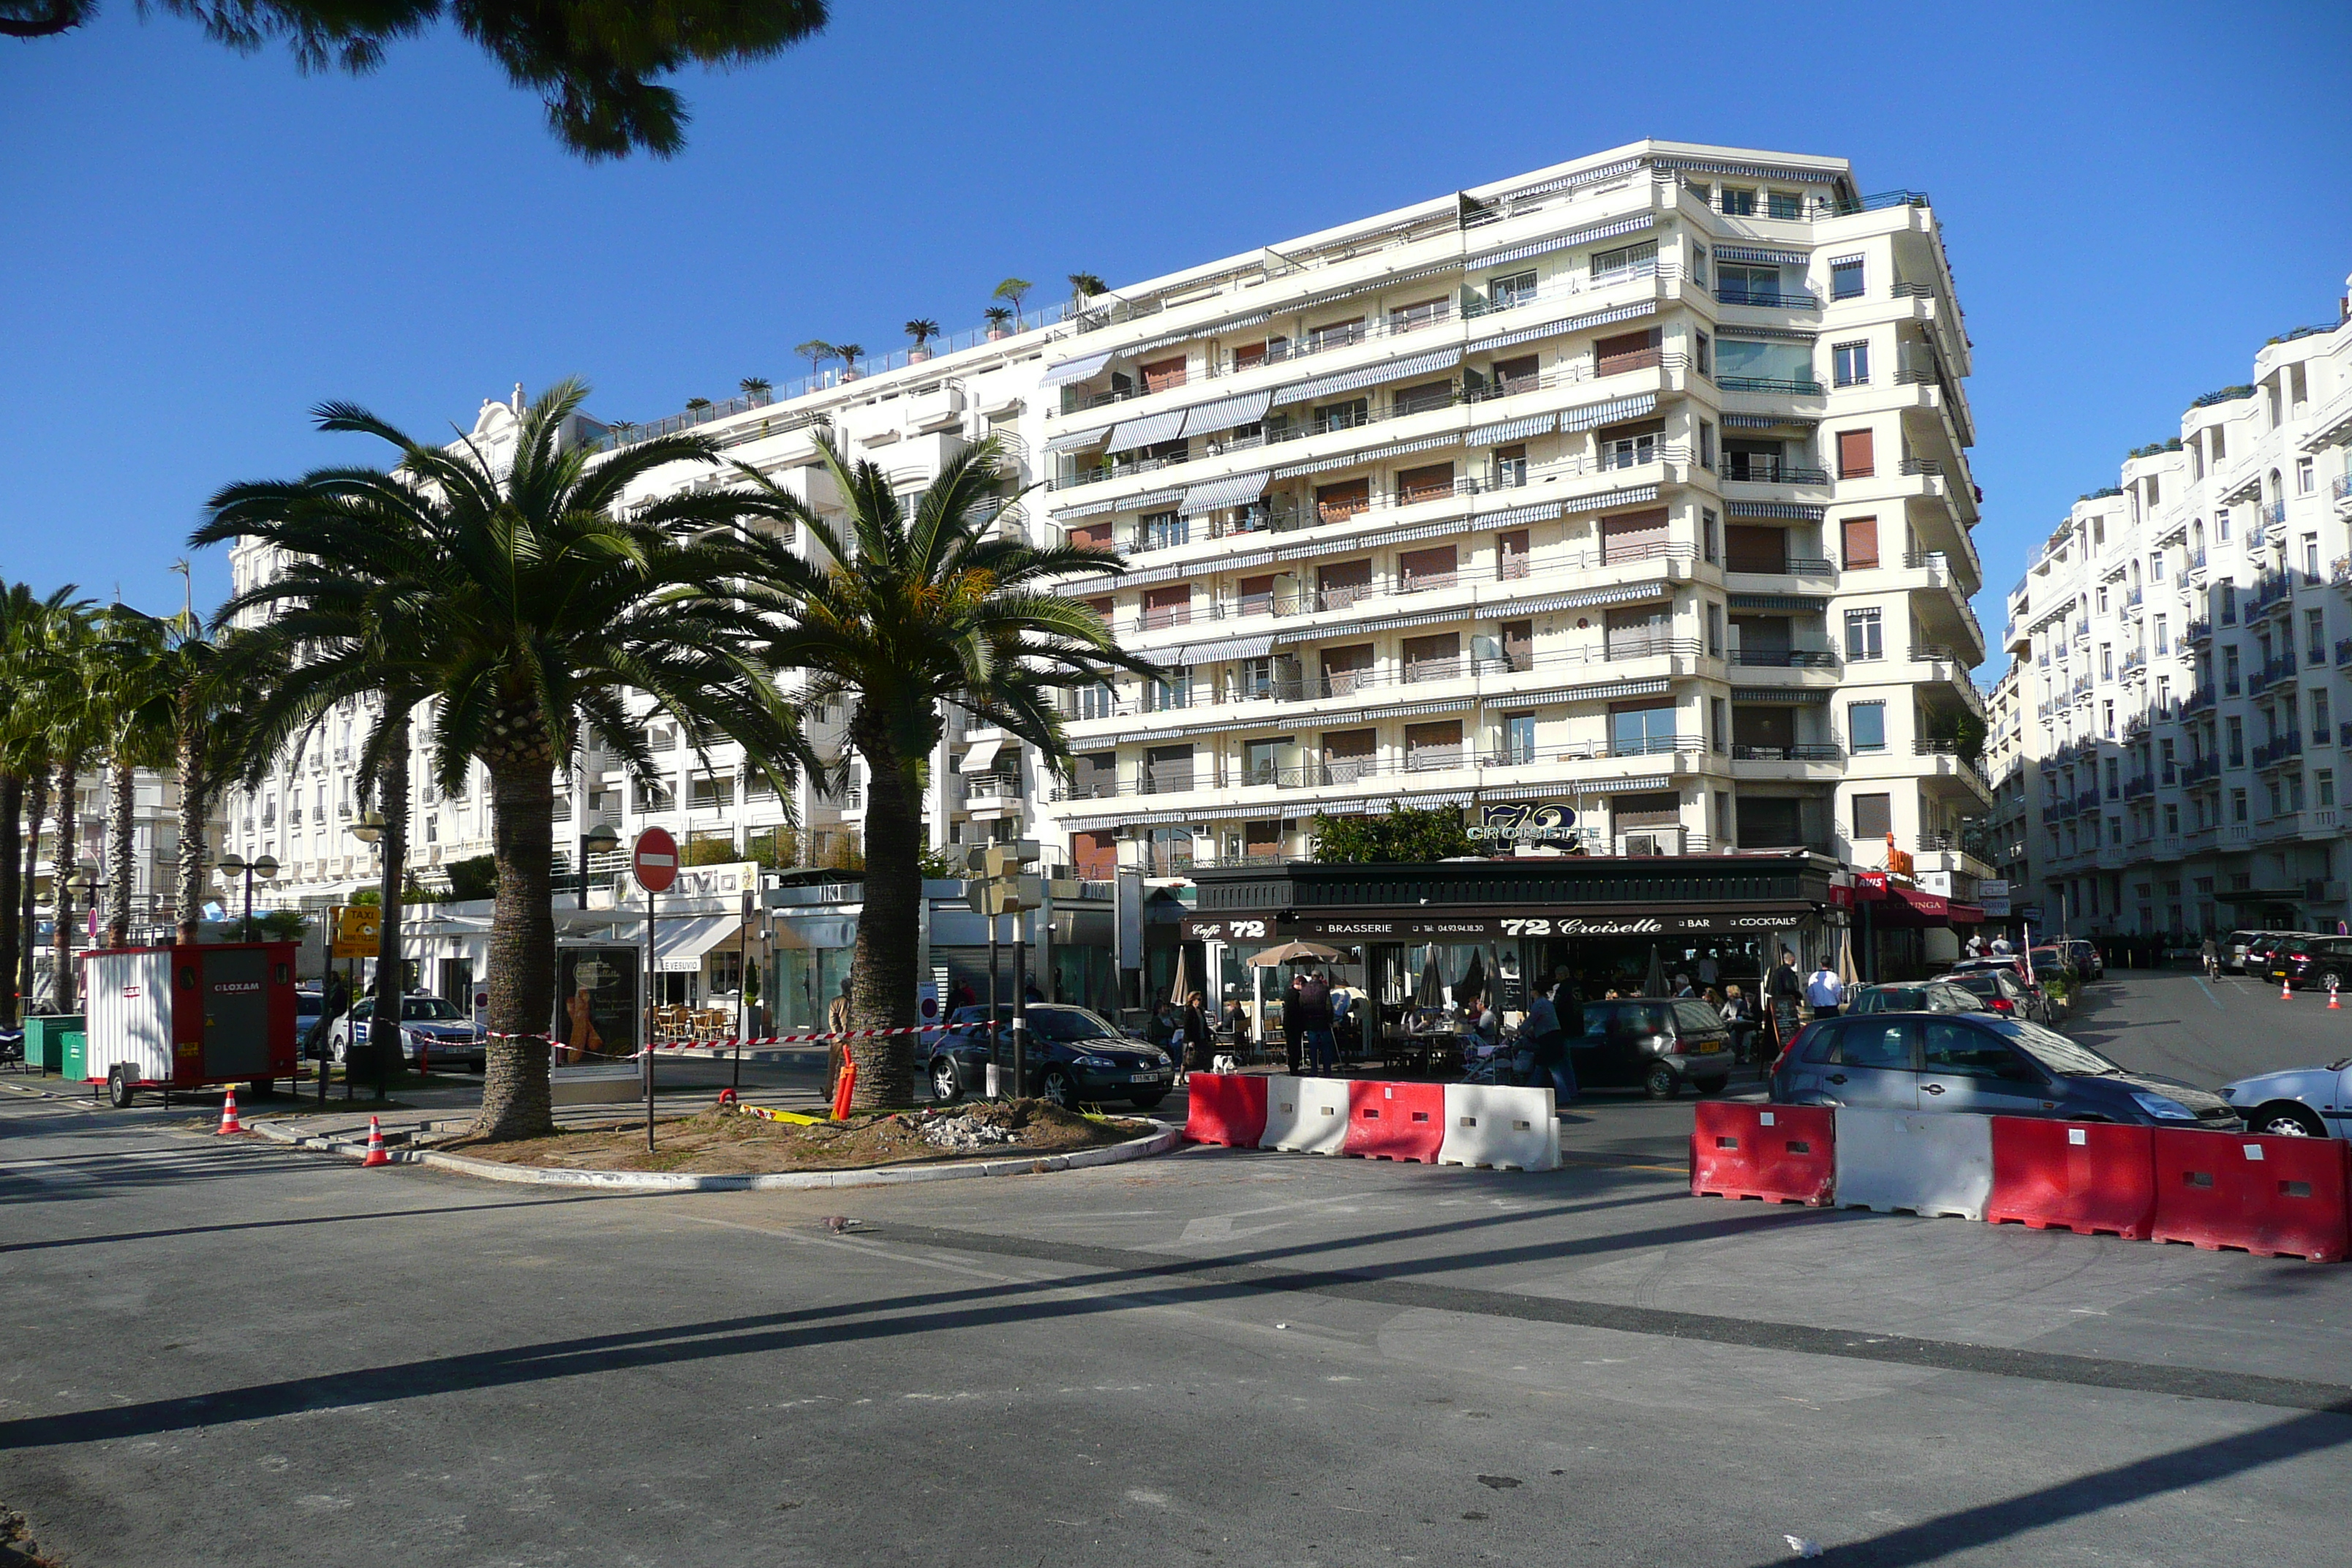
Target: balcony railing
x=1809 y=752
x=1330 y=772
x=1770 y=385
x=1768 y=299
x=1785 y=658
x=1740 y=468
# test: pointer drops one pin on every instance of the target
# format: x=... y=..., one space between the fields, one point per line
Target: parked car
x=2085 y=957
x=426 y=1023
x=2234 y=945
x=2301 y=1102
x=1076 y=1058
x=2254 y=958
x=2322 y=961
x=1983 y=1062
x=2001 y=991
x=1921 y=997
x=1654 y=1046
x=308 y=1003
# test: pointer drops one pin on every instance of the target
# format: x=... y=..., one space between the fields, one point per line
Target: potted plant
x=758 y=390
x=922 y=331
x=696 y=405
x=849 y=355
x=1084 y=287
x=998 y=315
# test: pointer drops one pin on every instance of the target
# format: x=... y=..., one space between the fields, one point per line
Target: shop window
x=1873 y=817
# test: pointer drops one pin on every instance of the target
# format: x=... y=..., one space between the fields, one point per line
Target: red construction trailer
x=183 y=1017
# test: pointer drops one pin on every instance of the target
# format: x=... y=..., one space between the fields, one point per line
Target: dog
x=1225 y=1062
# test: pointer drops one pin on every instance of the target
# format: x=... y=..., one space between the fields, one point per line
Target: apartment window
x=1865 y=726
x=1861 y=538
x=2115 y=830
x=1738 y=203
x=2311 y=556
x=2305 y=479
x=2164 y=749
x=1707 y=445
x=2323 y=784
x=2237 y=749
x=2106 y=661
x=2109 y=714
x=1705 y=352
x=2294 y=792
x=1698 y=265
x=1518 y=288
x=1511 y=467
x=1630 y=451
x=1163 y=529
x=1784 y=204
x=1851 y=363
x=2172 y=821
x=2113 y=790
x=1608 y=266
x=1873 y=818
x=1262 y=759
x=2103 y=601
x=1519 y=740
x=2319 y=716
x=2222 y=521
x=2230 y=670
x=2156 y=566
x=1706 y=533
x=2163 y=640
x=1854 y=455
x=1845 y=278
x=2314 y=636
x=1641 y=732
x=1863 y=636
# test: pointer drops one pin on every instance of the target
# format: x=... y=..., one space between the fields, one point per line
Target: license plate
x=1146 y=1078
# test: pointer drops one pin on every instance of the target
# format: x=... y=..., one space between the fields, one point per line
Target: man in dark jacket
x=1781 y=991
x=1313 y=1026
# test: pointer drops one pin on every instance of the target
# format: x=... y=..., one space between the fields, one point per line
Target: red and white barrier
x=1227 y=1107
x=1395 y=1122
x=1925 y=1163
x=2272 y=1196
x=1506 y=1129
x=1306 y=1115
x=1778 y=1153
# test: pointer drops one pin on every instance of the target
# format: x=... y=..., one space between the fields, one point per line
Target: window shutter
x=1855 y=461
x=1752 y=549
x=1423 y=566
x=1861 y=538
x=1635 y=536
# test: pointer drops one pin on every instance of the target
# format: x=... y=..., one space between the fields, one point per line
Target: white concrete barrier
x=1926 y=1162
x=1509 y=1128
x=1306 y=1115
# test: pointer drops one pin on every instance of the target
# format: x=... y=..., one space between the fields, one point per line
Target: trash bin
x=45 y=1046
x=74 y=1067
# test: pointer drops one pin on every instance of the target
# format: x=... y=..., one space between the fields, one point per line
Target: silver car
x=2301 y=1102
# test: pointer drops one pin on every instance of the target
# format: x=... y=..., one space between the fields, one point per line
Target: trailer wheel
x=261 y=1089
x=119 y=1089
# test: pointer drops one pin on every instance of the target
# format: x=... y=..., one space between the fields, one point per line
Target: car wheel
x=1057 y=1090
x=2288 y=1120
x=118 y=1087
x=336 y=1050
x=945 y=1088
x=1713 y=1085
x=2330 y=981
x=1662 y=1082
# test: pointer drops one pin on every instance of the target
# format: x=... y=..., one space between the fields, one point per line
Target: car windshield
x=1063 y=1023
x=1984 y=983
x=2055 y=1050
x=2300 y=944
x=1891 y=999
x=424 y=1009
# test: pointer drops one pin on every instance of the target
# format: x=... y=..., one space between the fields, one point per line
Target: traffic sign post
x=653 y=861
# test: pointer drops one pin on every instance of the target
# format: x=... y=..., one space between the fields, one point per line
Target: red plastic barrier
x=2091 y=1177
x=1395 y=1121
x=2274 y=1196
x=1225 y=1108
x=1780 y=1153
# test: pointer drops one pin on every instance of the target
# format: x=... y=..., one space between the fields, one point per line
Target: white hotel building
x=1637 y=485
x=2183 y=641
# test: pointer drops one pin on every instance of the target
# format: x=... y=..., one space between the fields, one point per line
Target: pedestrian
x=2001 y=946
x=1291 y=1043
x=836 y=1050
x=1741 y=1015
x=1713 y=1001
x=1166 y=1030
x=1031 y=995
x=1683 y=986
x=1824 y=990
x=1544 y=1036
x=1236 y=1028
x=1708 y=970
x=1781 y=991
x=1199 y=1044
x=2211 y=955
x=1975 y=945
x=1313 y=1028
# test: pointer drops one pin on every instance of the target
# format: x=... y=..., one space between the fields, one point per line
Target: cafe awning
x=680 y=945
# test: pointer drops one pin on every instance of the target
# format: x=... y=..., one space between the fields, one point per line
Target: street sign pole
x=652 y=860
x=649 y=1057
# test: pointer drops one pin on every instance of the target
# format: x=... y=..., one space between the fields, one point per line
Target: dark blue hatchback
x=1076 y=1058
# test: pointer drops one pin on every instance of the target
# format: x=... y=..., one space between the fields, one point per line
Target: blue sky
x=201 y=245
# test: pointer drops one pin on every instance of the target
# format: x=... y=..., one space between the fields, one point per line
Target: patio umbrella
x=1176 y=991
x=1430 y=991
x=1295 y=952
x=1473 y=984
x=1846 y=976
x=1656 y=985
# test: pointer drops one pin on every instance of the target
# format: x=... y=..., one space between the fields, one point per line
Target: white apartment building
x=1636 y=486
x=2183 y=638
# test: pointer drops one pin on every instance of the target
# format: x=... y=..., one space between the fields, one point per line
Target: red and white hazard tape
x=730 y=1042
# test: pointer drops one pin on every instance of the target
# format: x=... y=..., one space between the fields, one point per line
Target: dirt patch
x=16 y=1547
x=720 y=1143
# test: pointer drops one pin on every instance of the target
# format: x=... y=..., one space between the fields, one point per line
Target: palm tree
x=70 y=713
x=908 y=614
x=849 y=355
x=25 y=626
x=757 y=389
x=1014 y=289
x=922 y=331
x=206 y=692
x=138 y=712
x=996 y=316
x=1085 y=286
x=515 y=597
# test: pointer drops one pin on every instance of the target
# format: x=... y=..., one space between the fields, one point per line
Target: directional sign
x=358 y=928
x=652 y=860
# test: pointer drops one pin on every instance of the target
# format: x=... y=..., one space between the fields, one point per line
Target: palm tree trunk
x=123 y=790
x=188 y=893
x=64 y=860
x=882 y=972
x=515 y=1102
x=37 y=808
x=12 y=887
x=391 y=786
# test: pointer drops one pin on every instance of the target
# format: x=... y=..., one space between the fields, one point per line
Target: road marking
x=2208 y=994
x=45 y=1173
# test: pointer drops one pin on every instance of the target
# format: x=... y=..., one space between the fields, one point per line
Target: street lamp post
x=369 y=830
x=235 y=866
x=601 y=840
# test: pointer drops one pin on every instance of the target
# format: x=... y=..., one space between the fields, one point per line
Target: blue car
x=2301 y=1102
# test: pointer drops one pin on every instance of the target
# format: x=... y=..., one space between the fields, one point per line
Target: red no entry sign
x=654 y=861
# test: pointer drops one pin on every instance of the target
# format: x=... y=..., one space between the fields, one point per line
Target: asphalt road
x=225 y=1353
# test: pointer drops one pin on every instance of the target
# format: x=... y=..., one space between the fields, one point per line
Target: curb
x=1159 y=1142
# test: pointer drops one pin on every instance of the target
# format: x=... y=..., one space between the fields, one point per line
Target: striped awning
x=1512 y=430
x=1077 y=441
x=1360 y=625
x=1143 y=502
x=1414 y=709
x=1370 y=375
x=1781 y=334
x=1147 y=431
x=1608 y=692
x=1226 y=413
x=1451 y=525
x=1371 y=286
x=1795 y=511
x=1627 y=497
x=1594 y=415
x=1376 y=454
x=1781 y=694
x=1563 y=324
x=1217 y=652
x=1789 y=603
x=1519 y=514
x=1077 y=368
x=1603 y=785
x=1233 y=489
x=1583 y=599
x=1585 y=235
x=1766 y=421
x=1769 y=257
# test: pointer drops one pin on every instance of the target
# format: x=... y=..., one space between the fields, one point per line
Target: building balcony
x=1766 y=298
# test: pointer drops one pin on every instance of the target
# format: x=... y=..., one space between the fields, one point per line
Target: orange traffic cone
x=2286 y=991
x=228 y=1113
x=2333 y=1005
x=375 y=1154
x=848 y=1086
